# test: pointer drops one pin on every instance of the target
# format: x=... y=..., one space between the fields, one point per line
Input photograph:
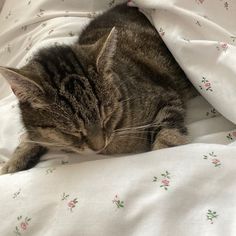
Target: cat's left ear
x=107 y=51
x=24 y=88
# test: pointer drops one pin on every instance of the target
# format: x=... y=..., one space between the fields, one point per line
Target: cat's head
x=74 y=111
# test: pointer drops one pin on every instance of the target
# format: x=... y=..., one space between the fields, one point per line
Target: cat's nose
x=96 y=139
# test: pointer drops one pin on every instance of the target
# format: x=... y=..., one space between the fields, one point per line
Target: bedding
x=186 y=190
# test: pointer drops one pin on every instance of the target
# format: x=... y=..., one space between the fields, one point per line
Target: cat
x=116 y=90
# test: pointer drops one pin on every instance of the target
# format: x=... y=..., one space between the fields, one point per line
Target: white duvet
x=182 y=191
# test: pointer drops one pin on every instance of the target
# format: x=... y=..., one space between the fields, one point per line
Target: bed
x=181 y=191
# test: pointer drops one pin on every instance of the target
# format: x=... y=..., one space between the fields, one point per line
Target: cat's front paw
x=25 y=156
x=12 y=166
x=169 y=138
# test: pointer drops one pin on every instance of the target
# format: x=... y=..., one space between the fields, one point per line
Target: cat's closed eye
x=106 y=120
x=77 y=133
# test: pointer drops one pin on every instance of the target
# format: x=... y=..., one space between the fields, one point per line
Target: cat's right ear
x=107 y=49
x=102 y=51
x=25 y=89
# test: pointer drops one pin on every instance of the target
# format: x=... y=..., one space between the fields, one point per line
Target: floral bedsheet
x=187 y=190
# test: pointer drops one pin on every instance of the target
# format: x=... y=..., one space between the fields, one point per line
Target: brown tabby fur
x=117 y=90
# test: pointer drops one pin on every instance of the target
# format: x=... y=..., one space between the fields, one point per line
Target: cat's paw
x=25 y=156
x=12 y=166
x=169 y=138
x=159 y=145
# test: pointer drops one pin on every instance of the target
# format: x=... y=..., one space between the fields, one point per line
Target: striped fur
x=117 y=90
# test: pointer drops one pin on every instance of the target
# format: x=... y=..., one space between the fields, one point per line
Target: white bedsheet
x=188 y=190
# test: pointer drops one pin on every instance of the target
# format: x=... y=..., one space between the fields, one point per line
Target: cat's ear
x=107 y=49
x=24 y=88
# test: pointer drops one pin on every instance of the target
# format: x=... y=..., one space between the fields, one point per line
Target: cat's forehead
x=58 y=62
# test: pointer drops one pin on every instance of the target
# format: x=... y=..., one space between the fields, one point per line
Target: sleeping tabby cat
x=117 y=90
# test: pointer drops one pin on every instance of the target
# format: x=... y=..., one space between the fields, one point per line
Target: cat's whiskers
x=136 y=127
x=131 y=136
x=128 y=99
x=107 y=142
x=127 y=102
x=135 y=132
x=118 y=87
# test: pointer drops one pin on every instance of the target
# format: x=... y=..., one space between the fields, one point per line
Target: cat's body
x=117 y=90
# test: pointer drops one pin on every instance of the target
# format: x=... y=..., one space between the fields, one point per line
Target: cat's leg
x=169 y=138
x=171 y=128
x=24 y=157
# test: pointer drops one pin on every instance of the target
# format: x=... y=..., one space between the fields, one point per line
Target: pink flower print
x=71 y=204
x=206 y=83
x=165 y=182
x=234 y=133
x=221 y=46
x=212 y=156
x=118 y=202
x=215 y=161
x=224 y=46
x=23 y=226
x=161 y=32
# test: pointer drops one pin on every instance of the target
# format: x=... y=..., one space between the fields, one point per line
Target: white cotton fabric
x=201 y=34
x=182 y=191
